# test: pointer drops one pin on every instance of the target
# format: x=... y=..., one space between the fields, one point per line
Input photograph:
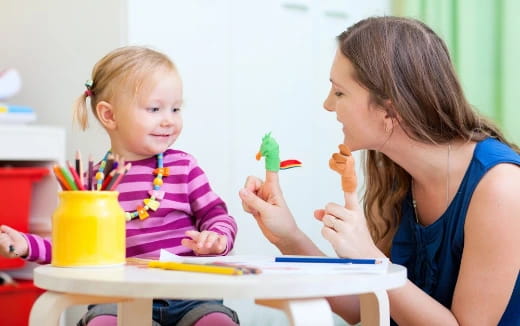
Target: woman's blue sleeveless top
x=432 y=254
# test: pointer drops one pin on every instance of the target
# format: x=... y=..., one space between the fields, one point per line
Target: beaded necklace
x=156 y=194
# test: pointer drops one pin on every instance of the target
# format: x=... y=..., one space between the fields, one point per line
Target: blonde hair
x=117 y=74
x=403 y=61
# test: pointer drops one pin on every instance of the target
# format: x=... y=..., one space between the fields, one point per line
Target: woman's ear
x=106 y=115
x=389 y=125
x=391 y=116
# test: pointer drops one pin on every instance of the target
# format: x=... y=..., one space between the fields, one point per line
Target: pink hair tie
x=88 y=84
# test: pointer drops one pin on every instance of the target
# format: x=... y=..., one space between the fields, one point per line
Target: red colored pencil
x=107 y=180
x=75 y=175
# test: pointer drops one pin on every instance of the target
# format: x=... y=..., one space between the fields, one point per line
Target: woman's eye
x=338 y=94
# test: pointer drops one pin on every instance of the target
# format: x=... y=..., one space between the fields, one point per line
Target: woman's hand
x=346 y=230
x=205 y=242
x=345 y=227
x=12 y=243
x=264 y=200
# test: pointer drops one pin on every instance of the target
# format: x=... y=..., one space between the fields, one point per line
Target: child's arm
x=24 y=245
x=209 y=209
x=12 y=243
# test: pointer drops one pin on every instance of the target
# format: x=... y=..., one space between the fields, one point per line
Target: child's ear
x=105 y=114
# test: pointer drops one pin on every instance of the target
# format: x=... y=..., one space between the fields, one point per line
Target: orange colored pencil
x=61 y=180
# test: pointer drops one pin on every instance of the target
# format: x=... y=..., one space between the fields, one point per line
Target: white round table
x=301 y=296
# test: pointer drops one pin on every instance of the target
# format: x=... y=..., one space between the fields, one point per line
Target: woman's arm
x=491 y=259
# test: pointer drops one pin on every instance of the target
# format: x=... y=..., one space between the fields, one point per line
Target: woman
x=442 y=183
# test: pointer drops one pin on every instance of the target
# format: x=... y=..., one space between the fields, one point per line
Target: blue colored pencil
x=327 y=260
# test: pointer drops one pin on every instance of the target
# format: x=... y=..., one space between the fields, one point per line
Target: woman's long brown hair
x=403 y=62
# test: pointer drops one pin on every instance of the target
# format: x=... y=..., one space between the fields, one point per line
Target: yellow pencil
x=200 y=268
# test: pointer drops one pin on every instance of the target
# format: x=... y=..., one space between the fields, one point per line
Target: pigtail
x=80 y=105
x=80 y=111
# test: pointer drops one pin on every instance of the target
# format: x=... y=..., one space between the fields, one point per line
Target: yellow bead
x=152 y=204
x=158 y=182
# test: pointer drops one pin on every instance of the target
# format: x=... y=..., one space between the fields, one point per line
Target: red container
x=16 y=302
x=15 y=201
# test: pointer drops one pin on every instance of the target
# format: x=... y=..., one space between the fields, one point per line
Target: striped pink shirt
x=189 y=204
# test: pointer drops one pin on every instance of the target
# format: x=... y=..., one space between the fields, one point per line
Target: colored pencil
x=327 y=260
x=117 y=180
x=107 y=179
x=90 y=172
x=59 y=176
x=75 y=176
x=68 y=178
x=199 y=268
x=109 y=166
x=79 y=168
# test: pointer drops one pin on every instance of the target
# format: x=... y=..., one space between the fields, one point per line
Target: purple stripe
x=154 y=221
x=195 y=172
x=144 y=177
x=217 y=205
x=152 y=246
x=48 y=251
x=164 y=211
x=223 y=224
x=35 y=251
x=177 y=197
x=173 y=179
x=177 y=163
x=140 y=195
x=133 y=195
x=199 y=192
x=177 y=224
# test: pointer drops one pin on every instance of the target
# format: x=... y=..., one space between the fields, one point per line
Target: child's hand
x=205 y=242
x=12 y=243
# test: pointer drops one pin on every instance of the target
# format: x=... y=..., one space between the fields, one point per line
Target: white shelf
x=32 y=143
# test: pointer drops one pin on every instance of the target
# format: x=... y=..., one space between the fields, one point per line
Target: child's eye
x=176 y=110
x=153 y=109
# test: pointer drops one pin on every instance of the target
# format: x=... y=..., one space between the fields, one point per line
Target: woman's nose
x=328 y=104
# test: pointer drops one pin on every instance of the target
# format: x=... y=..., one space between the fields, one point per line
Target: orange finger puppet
x=343 y=163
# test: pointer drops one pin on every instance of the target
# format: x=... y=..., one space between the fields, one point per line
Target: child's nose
x=168 y=120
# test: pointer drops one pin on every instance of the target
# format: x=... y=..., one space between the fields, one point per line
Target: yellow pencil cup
x=88 y=229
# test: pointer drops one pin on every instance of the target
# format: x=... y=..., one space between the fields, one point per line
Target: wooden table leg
x=49 y=306
x=135 y=312
x=375 y=309
x=302 y=312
